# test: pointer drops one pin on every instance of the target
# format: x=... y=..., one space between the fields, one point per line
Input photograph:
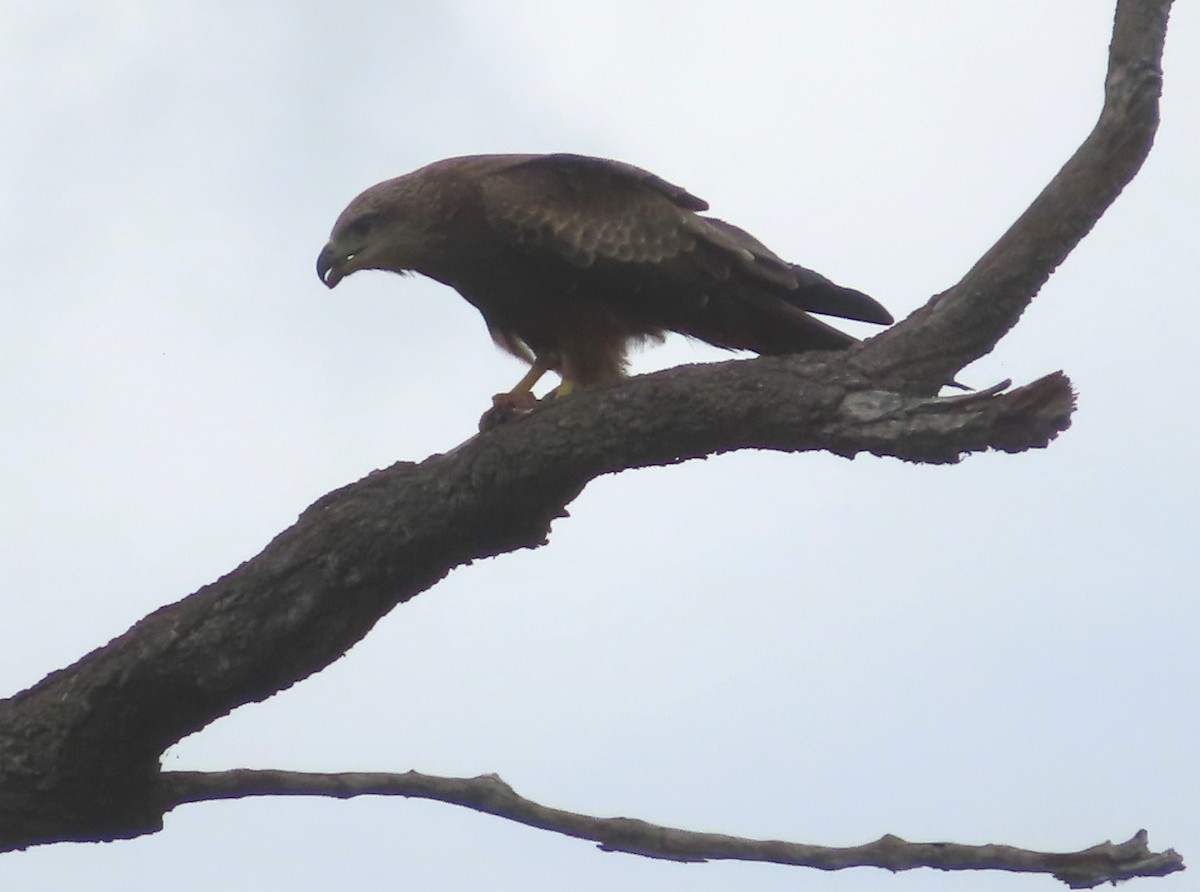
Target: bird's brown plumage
x=571 y=259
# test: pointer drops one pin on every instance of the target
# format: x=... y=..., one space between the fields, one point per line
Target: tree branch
x=962 y=324
x=99 y=726
x=79 y=751
x=491 y=795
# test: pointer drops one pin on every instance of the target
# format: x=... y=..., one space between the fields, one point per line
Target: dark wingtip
x=871 y=310
x=851 y=304
x=816 y=294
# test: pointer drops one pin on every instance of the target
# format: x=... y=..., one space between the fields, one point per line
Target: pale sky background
x=796 y=647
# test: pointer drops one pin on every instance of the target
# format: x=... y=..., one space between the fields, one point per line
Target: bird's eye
x=360 y=228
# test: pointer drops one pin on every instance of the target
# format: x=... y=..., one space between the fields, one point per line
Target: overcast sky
x=796 y=647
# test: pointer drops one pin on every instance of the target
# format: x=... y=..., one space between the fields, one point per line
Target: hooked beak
x=329 y=266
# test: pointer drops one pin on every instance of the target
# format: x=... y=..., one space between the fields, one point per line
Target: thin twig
x=488 y=793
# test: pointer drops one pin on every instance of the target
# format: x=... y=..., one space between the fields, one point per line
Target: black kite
x=572 y=259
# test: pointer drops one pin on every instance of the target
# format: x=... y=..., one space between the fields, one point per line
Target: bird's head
x=378 y=230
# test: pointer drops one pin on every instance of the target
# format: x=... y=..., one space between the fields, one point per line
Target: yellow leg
x=526 y=384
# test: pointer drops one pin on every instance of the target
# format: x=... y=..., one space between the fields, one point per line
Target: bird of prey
x=571 y=260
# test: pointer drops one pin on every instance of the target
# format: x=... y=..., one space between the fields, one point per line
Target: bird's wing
x=584 y=209
x=587 y=210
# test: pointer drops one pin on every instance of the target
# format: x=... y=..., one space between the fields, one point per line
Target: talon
x=518 y=401
x=515 y=401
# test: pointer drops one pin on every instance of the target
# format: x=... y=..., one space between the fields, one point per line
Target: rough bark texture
x=79 y=751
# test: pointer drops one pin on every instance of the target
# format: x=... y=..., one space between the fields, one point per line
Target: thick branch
x=488 y=793
x=964 y=323
x=321 y=585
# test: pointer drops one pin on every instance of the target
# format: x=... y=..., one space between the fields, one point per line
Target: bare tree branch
x=964 y=323
x=79 y=751
x=359 y=551
x=488 y=793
